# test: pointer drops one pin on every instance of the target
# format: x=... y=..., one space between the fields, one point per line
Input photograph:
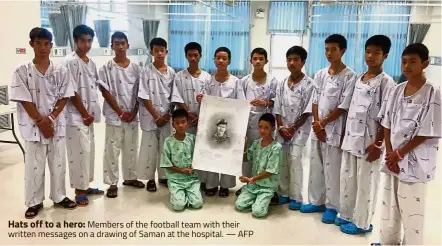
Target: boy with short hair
x=225 y=85
x=293 y=116
x=82 y=111
x=333 y=90
x=41 y=91
x=176 y=159
x=188 y=83
x=363 y=141
x=259 y=89
x=265 y=154
x=412 y=128
x=155 y=92
x=122 y=78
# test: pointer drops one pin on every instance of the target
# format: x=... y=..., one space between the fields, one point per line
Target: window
x=212 y=30
x=45 y=10
x=279 y=44
x=115 y=11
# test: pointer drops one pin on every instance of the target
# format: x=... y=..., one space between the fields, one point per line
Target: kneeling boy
x=265 y=154
x=183 y=182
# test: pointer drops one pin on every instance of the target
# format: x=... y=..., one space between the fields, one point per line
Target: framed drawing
x=220 y=139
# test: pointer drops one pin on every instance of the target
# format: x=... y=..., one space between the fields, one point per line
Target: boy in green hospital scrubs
x=183 y=182
x=265 y=154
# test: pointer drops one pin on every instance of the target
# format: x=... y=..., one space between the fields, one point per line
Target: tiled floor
x=281 y=227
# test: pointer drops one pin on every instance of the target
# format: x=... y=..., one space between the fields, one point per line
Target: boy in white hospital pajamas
x=363 y=141
x=293 y=116
x=259 y=89
x=121 y=78
x=155 y=92
x=225 y=85
x=82 y=111
x=412 y=125
x=186 y=86
x=41 y=91
x=331 y=99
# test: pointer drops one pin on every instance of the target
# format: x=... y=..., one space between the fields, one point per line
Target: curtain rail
x=379 y=4
x=387 y=15
x=391 y=22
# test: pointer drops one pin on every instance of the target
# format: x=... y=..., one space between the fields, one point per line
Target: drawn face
x=221 y=129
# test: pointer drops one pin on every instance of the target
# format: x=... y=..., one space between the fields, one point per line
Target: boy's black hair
x=417 y=49
x=119 y=35
x=223 y=49
x=297 y=50
x=269 y=118
x=158 y=42
x=83 y=30
x=192 y=46
x=260 y=51
x=381 y=41
x=38 y=32
x=337 y=39
x=180 y=113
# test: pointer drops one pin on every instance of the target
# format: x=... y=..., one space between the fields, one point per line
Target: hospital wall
x=16 y=34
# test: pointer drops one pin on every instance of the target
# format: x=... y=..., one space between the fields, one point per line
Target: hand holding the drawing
x=193 y=119
x=199 y=97
x=259 y=102
x=188 y=170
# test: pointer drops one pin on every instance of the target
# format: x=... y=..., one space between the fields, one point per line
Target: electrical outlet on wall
x=107 y=52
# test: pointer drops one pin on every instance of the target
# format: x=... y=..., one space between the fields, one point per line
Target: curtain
x=287 y=17
x=150 y=30
x=357 y=24
x=342 y=21
x=211 y=29
x=102 y=29
x=58 y=28
x=391 y=22
x=416 y=35
x=74 y=15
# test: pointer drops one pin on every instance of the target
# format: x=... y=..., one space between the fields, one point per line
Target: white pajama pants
x=359 y=186
x=403 y=204
x=201 y=174
x=225 y=181
x=291 y=172
x=325 y=168
x=152 y=143
x=36 y=156
x=120 y=138
x=80 y=147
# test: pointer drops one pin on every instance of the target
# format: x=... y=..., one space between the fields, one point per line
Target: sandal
x=112 y=192
x=203 y=187
x=211 y=192
x=134 y=183
x=82 y=200
x=66 y=203
x=94 y=191
x=223 y=192
x=163 y=182
x=238 y=192
x=151 y=186
x=31 y=212
x=275 y=199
